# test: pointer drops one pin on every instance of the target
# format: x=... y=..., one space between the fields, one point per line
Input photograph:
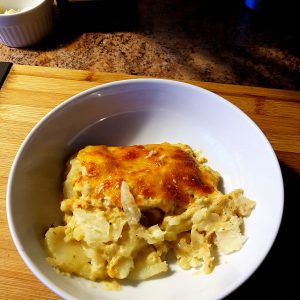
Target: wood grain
x=30 y=92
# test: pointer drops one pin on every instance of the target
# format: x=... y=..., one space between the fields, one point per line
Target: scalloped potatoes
x=127 y=207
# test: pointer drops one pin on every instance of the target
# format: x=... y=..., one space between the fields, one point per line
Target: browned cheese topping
x=164 y=175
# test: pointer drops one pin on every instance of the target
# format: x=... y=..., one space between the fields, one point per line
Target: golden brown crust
x=159 y=175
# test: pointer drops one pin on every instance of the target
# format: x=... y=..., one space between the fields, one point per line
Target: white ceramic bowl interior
x=28 y=27
x=137 y=112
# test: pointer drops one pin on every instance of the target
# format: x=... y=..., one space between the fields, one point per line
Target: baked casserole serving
x=126 y=207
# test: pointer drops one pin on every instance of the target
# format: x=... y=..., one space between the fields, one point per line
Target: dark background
x=207 y=40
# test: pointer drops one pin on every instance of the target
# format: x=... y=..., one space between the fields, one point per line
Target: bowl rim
x=18 y=13
x=22 y=252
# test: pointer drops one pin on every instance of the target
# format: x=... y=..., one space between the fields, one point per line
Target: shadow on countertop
x=207 y=40
x=72 y=19
x=276 y=277
x=249 y=47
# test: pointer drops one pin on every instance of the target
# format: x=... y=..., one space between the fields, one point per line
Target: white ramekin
x=28 y=27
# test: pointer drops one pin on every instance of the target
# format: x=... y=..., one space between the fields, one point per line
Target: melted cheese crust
x=165 y=176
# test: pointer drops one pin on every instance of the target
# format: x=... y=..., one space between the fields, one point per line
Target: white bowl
x=28 y=27
x=137 y=112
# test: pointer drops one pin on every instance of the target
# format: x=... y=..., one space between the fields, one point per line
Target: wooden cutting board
x=30 y=92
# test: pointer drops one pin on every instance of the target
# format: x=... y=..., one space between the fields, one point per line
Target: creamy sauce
x=12 y=11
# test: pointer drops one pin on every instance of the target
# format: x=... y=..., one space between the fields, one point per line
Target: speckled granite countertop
x=179 y=39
